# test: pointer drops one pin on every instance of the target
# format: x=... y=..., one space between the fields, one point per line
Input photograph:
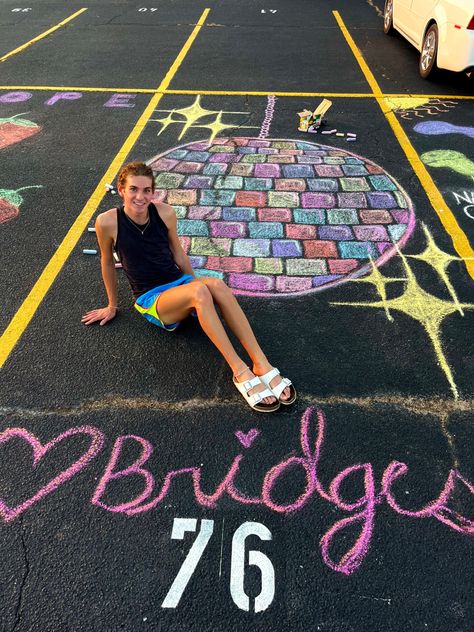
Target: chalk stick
x=116 y=257
x=329 y=131
x=351 y=134
x=339 y=134
x=89 y=251
x=322 y=108
x=91 y=229
x=352 y=138
x=118 y=265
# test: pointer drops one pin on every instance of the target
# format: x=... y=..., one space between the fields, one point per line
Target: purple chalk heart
x=247 y=438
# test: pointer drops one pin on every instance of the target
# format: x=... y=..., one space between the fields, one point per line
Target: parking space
x=266 y=42
x=346 y=511
x=57 y=143
x=42 y=65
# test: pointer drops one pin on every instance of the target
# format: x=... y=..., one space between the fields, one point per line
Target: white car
x=442 y=30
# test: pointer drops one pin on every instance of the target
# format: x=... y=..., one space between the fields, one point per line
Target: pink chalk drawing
x=269 y=112
x=14 y=130
x=279 y=217
x=362 y=511
x=247 y=438
x=39 y=451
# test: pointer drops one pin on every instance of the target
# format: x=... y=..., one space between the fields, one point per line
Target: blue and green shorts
x=146 y=303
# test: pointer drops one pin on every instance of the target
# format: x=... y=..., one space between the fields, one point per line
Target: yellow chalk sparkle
x=193 y=114
x=218 y=126
x=427 y=309
x=439 y=260
x=166 y=122
x=406 y=103
x=380 y=282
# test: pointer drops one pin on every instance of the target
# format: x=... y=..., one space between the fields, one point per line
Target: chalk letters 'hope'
x=362 y=510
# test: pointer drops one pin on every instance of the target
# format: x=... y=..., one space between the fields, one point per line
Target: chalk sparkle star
x=427 y=309
x=192 y=114
x=439 y=260
x=380 y=282
x=217 y=126
x=166 y=122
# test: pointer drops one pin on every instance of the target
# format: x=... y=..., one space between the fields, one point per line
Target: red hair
x=135 y=168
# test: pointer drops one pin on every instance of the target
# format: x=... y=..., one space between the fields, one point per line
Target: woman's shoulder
x=107 y=220
x=166 y=212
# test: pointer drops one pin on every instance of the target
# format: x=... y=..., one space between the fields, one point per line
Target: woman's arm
x=181 y=259
x=105 y=230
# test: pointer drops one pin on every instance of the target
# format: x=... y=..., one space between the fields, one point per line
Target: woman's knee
x=217 y=287
x=201 y=294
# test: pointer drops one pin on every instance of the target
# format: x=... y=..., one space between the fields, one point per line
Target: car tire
x=429 y=52
x=388 y=17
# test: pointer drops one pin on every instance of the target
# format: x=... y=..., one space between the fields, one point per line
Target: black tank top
x=146 y=258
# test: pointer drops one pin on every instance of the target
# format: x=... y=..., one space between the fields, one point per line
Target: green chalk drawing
x=454 y=160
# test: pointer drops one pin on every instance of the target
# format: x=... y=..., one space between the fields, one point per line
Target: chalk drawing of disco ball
x=281 y=217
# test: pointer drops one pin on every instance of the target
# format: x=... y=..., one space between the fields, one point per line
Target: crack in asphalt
x=19 y=602
x=434 y=406
x=377 y=10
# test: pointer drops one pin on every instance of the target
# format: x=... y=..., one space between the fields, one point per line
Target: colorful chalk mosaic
x=280 y=217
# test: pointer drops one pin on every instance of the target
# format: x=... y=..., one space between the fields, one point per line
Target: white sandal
x=254 y=400
x=280 y=387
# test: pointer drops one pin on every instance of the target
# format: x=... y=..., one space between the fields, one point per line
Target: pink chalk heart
x=247 y=438
x=39 y=451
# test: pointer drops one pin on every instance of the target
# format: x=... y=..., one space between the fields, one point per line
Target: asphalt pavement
x=138 y=491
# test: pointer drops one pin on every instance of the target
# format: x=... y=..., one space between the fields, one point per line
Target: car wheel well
x=429 y=51
x=429 y=25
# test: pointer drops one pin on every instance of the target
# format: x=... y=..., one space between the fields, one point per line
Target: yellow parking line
x=78 y=89
x=250 y=93
x=31 y=303
x=191 y=92
x=342 y=95
x=39 y=37
x=443 y=97
x=460 y=241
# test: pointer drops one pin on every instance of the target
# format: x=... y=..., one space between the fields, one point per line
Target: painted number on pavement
x=144 y=9
x=237 y=564
x=21 y=9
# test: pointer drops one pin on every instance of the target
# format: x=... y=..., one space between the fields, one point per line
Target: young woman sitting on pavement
x=166 y=290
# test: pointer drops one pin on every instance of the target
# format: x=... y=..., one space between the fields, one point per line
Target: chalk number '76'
x=237 y=569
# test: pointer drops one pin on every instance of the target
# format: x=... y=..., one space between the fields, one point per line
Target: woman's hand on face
x=103 y=315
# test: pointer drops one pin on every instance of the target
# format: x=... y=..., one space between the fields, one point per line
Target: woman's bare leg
x=177 y=303
x=235 y=317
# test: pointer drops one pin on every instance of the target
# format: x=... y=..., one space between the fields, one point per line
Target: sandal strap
x=256 y=398
x=237 y=375
x=250 y=384
x=279 y=388
x=268 y=377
